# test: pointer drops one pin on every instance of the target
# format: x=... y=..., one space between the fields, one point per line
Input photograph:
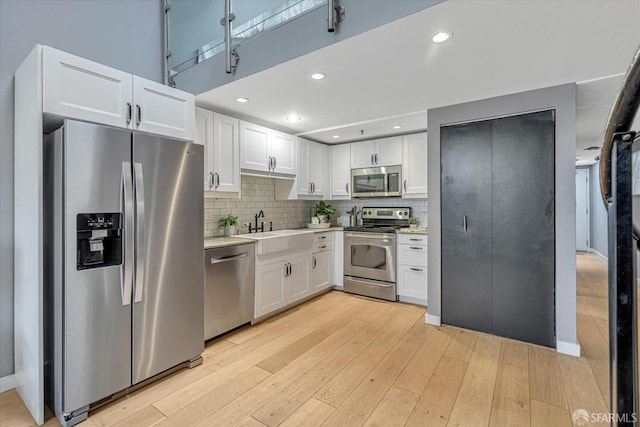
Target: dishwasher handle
x=219 y=259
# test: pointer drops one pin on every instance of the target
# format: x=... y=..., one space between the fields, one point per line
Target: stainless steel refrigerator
x=124 y=261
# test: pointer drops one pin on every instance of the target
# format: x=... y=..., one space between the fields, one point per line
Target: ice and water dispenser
x=99 y=240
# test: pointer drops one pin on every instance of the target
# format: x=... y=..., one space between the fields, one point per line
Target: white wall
x=123 y=34
x=562 y=99
x=599 y=227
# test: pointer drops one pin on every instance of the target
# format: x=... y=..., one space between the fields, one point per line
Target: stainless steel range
x=370 y=252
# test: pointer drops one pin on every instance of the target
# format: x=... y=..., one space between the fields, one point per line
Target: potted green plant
x=229 y=223
x=413 y=222
x=324 y=212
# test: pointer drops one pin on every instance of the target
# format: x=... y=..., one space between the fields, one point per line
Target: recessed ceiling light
x=242 y=99
x=293 y=118
x=441 y=36
x=335 y=136
x=397 y=127
x=318 y=76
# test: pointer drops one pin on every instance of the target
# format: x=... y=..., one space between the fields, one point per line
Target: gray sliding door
x=498 y=226
x=524 y=228
x=466 y=225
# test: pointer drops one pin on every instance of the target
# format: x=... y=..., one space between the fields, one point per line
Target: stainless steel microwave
x=383 y=181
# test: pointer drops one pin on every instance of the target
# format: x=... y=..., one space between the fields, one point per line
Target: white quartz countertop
x=219 y=242
x=416 y=230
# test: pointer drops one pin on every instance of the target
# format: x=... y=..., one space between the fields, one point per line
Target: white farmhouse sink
x=271 y=242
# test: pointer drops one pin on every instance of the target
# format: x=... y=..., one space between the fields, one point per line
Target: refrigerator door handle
x=126 y=205
x=140 y=232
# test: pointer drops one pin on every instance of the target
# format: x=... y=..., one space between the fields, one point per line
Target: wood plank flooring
x=343 y=360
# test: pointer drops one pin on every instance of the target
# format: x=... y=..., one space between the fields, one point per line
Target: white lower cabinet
x=322 y=262
x=281 y=281
x=412 y=268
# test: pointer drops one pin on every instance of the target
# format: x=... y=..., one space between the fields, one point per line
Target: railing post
x=623 y=334
x=229 y=51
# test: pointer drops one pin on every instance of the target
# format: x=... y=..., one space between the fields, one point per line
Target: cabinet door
x=81 y=89
x=283 y=149
x=271 y=289
x=340 y=171
x=302 y=177
x=362 y=154
x=388 y=151
x=299 y=281
x=162 y=110
x=226 y=154
x=322 y=270
x=412 y=284
x=318 y=165
x=414 y=166
x=254 y=147
x=204 y=136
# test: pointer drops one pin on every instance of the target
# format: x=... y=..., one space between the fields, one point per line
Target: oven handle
x=371 y=282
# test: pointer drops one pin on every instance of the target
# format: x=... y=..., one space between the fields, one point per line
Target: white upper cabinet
x=162 y=110
x=266 y=151
x=219 y=135
x=340 y=171
x=312 y=179
x=414 y=166
x=379 y=152
x=226 y=154
x=77 y=88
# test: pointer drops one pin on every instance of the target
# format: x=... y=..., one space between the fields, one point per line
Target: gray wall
x=124 y=34
x=599 y=227
x=562 y=99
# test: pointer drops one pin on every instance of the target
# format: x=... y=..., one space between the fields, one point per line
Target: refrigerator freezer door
x=168 y=325
x=96 y=323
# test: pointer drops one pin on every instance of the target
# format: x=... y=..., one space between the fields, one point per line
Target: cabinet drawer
x=412 y=255
x=323 y=237
x=322 y=246
x=412 y=239
x=412 y=284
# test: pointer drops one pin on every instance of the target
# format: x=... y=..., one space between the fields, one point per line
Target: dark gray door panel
x=524 y=227
x=466 y=225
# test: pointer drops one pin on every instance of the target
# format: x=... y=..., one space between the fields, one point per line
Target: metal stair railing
x=624 y=239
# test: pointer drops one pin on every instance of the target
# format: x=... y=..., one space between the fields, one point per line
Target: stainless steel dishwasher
x=229 y=288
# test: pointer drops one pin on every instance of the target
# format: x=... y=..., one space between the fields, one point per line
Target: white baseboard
x=431 y=319
x=569 y=348
x=7 y=383
x=598 y=253
x=412 y=300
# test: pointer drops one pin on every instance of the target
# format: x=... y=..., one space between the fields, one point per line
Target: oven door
x=370 y=256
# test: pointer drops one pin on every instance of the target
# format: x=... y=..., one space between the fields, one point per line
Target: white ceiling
x=395 y=73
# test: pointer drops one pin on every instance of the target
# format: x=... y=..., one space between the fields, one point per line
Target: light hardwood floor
x=342 y=360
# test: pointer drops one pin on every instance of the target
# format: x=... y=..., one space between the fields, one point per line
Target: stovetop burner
x=382 y=220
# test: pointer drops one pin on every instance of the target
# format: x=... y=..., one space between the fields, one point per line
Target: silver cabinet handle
x=465 y=223
x=217 y=260
x=415 y=269
x=138 y=114
x=275 y=163
x=126 y=278
x=347 y=187
x=217 y=179
x=372 y=159
x=269 y=163
x=290 y=269
x=210 y=180
x=322 y=237
x=313 y=262
x=140 y=232
x=323 y=247
x=309 y=190
x=286 y=269
x=405 y=185
x=416 y=240
x=418 y=248
x=129 y=112
x=376 y=158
